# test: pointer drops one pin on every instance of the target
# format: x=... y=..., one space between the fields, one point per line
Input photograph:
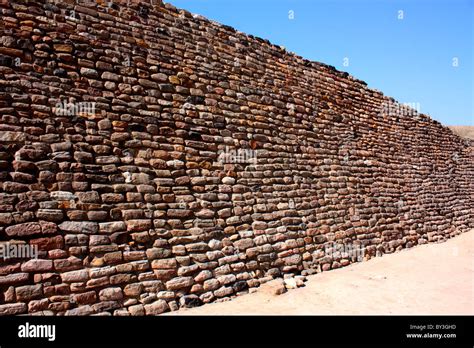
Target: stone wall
x=155 y=159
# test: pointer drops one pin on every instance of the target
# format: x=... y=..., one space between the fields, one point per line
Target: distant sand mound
x=463 y=131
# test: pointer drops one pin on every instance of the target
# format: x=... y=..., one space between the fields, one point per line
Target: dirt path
x=427 y=279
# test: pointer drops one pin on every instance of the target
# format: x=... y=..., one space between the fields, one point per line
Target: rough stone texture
x=211 y=162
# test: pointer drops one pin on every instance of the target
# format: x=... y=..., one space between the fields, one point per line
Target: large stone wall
x=157 y=159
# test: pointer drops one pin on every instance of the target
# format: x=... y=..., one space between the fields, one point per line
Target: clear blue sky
x=410 y=59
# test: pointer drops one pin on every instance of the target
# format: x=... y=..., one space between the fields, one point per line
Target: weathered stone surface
x=111 y=227
x=37 y=265
x=290 y=283
x=48 y=243
x=6 y=136
x=31 y=228
x=13 y=308
x=189 y=301
x=228 y=180
x=244 y=244
x=80 y=311
x=157 y=253
x=62 y=196
x=28 y=292
x=274 y=287
x=164 y=264
x=56 y=215
x=85 y=298
x=138 y=225
x=79 y=227
x=75 y=276
x=223 y=291
x=110 y=294
x=133 y=289
x=179 y=283
x=156 y=307
x=88 y=197
x=137 y=310
x=14 y=278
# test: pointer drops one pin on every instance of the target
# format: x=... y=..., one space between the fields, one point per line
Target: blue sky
x=410 y=59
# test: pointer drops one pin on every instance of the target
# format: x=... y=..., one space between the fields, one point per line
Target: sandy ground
x=463 y=131
x=426 y=279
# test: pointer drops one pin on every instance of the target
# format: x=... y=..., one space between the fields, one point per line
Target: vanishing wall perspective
x=155 y=159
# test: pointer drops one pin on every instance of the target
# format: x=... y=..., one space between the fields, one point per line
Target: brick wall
x=155 y=159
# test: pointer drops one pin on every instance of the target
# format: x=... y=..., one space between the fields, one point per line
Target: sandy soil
x=427 y=279
x=463 y=131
